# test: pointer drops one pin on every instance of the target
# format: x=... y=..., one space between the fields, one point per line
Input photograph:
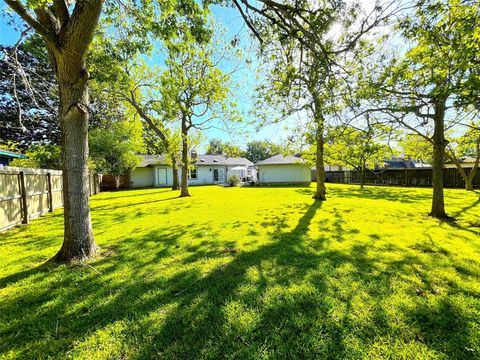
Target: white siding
x=153 y=176
x=141 y=177
x=284 y=173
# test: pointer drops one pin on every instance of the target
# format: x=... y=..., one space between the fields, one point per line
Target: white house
x=280 y=169
x=154 y=170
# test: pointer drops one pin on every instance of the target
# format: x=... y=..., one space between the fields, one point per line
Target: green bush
x=234 y=180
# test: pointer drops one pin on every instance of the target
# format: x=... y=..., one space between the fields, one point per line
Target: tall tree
x=260 y=150
x=28 y=97
x=419 y=89
x=67 y=32
x=195 y=91
x=67 y=29
x=309 y=54
x=225 y=148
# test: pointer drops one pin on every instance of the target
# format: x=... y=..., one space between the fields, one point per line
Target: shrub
x=234 y=180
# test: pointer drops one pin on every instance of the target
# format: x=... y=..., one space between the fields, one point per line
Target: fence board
x=401 y=177
x=42 y=193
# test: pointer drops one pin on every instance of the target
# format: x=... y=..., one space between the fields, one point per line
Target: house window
x=192 y=173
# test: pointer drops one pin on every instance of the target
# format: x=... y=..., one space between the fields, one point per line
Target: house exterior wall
x=205 y=174
x=294 y=173
x=141 y=177
x=155 y=175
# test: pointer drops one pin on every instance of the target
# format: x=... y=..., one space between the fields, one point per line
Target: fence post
x=50 y=192
x=89 y=184
x=23 y=194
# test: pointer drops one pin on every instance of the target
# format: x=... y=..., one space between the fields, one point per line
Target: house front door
x=161 y=177
x=218 y=175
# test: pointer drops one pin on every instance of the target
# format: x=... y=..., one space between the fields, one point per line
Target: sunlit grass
x=250 y=273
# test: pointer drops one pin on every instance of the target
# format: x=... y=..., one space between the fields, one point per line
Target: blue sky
x=230 y=19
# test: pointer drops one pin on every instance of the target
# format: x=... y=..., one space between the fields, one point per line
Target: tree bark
x=117 y=181
x=362 y=179
x=469 y=183
x=439 y=143
x=321 y=191
x=67 y=37
x=175 y=185
x=78 y=243
x=467 y=178
x=184 y=185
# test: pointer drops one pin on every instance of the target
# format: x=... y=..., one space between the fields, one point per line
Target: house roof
x=11 y=154
x=398 y=162
x=149 y=160
x=221 y=160
x=280 y=159
x=207 y=160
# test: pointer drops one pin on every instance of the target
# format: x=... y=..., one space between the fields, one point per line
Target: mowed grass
x=250 y=273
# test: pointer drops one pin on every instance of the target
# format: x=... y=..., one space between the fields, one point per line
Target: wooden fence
x=28 y=193
x=108 y=182
x=401 y=177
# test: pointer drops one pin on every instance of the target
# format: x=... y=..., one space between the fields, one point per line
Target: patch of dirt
x=109 y=250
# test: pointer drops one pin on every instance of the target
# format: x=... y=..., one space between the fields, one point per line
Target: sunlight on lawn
x=250 y=273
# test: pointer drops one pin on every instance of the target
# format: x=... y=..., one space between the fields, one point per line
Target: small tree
x=114 y=149
x=466 y=145
x=260 y=150
x=359 y=148
x=219 y=147
x=47 y=156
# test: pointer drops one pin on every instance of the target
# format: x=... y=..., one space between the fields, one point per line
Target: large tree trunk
x=321 y=191
x=468 y=183
x=175 y=185
x=78 y=242
x=184 y=185
x=439 y=143
x=362 y=179
x=67 y=36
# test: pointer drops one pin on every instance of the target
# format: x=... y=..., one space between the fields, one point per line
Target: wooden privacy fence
x=28 y=193
x=402 y=177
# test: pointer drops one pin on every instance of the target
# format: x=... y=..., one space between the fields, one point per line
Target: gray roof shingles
x=207 y=160
x=280 y=159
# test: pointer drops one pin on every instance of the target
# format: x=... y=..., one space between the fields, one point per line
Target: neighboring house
x=154 y=170
x=465 y=162
x=280 y=169
x=6 y=157
x=401 y=162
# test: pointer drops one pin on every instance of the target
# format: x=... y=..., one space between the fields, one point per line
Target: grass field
x=250 y=273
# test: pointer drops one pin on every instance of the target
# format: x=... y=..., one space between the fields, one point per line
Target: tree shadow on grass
x=404 y=195
x=293 y=297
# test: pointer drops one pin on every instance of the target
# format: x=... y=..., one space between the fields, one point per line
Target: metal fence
x=28 y=193
x=401 y=177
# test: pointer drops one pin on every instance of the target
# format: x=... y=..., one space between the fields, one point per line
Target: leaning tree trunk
x=462 y=172
x=321 y=191
x=184 y=185
x=175 y=185
x=469 y=184
x=439 y=142
x=78 y=242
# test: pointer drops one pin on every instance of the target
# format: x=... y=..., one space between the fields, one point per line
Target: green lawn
x=250 y=273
